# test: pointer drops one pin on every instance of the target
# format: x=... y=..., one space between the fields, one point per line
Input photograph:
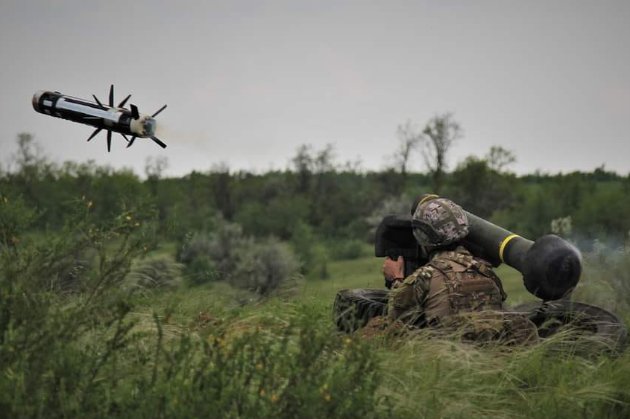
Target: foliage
x=73 y=343
x=480 y=189
x=228 y=254
x=85 y=354
x=346 y=249
x=409 y=139
x=299 y=370
x=54 y=346
x=440 y=133
x=155 y=272
x=318 y=200
x=499 y=158
x=264 y=266
x=312 y=254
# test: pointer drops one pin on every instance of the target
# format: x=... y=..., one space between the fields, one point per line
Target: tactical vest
x=460 y=283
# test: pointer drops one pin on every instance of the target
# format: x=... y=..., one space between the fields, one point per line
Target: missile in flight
x=126 y=122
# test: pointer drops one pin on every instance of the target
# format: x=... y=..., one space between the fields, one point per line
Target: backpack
x=461 y=283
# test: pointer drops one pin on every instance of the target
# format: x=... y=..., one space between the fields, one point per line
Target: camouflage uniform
x=459 y=293
x=451 y=283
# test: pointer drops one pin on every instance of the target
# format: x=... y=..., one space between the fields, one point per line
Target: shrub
x=311 y=252
x=265 y=266
x=302 y=369
x=57 y=350
x=212 y=256
x=346 y=249
x=228 y=254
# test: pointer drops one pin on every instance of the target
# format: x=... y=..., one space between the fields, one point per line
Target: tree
x=498 y=158
x=154 y=169
x=480 y=189
x=222 y=190
x=439 y=135
x=303 y=165
x=409 y=139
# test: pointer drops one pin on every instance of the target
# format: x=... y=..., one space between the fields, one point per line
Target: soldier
x=454 y=285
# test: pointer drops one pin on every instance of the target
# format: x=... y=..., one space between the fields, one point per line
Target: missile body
x=91 y=113
x=110 y=118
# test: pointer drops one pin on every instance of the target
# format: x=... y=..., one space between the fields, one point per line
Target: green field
x=212 y=350
x=425 y=376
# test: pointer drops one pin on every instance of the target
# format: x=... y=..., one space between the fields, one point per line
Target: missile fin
x=124 y=136
x=131 y=141
x=111 y=96
x=134 y=111
x=158 y=111
x=109 y=141
x=96 y=131
x=160 y=143
x=121 y=104
x=98 y=101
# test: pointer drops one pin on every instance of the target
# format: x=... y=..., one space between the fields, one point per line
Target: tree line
x=319 y=200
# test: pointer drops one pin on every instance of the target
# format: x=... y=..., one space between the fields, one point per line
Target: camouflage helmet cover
x=439 y=222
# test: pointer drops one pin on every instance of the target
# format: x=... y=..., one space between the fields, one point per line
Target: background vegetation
x=210 y=294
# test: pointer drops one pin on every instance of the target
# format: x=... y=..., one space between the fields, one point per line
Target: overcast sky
x=247 y=82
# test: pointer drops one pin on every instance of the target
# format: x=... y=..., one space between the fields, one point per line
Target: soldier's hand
x=394 y=269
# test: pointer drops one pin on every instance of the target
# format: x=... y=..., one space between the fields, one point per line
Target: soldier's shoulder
x=422 y=273
x=460 y=255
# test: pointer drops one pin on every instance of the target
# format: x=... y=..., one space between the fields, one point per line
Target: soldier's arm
x=411 y=293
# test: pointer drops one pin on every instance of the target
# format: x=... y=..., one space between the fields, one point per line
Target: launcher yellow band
x=504 y=244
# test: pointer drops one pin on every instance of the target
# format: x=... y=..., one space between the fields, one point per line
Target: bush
x=58 y=349
x=229 y=255
x=263 y=267
x=300 y=369
x=311 y=252
x=346 y=249
x=212 y=256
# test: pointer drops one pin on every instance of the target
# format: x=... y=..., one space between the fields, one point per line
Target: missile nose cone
x=552 y=268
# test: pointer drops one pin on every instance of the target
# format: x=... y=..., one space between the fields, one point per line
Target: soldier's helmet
x=439 y=222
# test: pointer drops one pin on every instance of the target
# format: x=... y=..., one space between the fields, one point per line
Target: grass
x=212 y=350
x=430 y=376
x=426 y=375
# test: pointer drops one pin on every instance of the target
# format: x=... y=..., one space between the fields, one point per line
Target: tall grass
x=432 y=377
